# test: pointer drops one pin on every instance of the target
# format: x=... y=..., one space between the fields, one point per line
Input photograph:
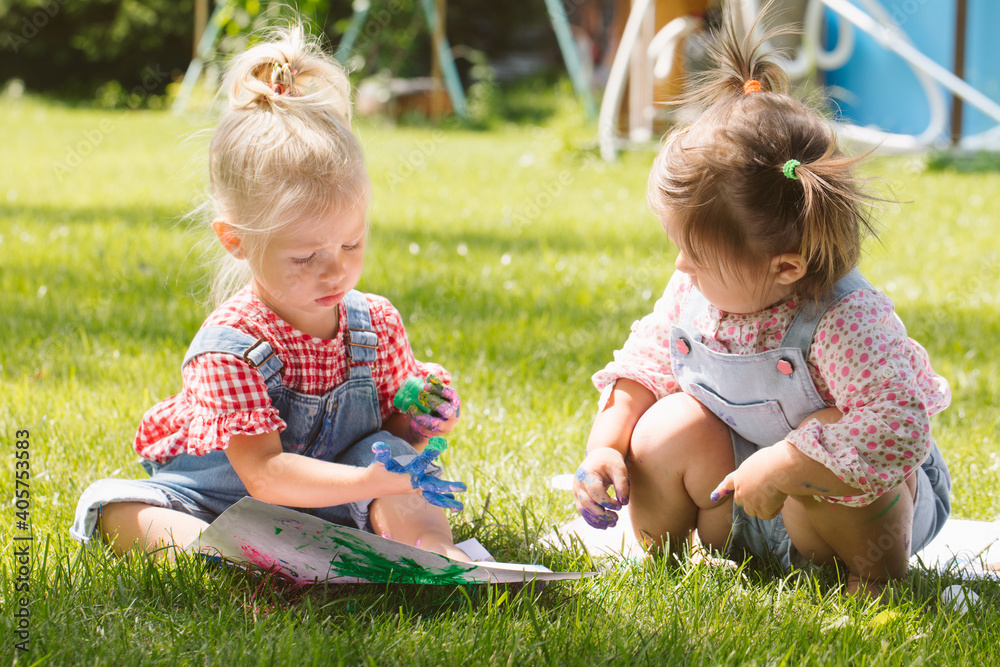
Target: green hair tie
x=789 y=169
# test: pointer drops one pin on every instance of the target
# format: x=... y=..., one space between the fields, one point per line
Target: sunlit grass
x=519 y=262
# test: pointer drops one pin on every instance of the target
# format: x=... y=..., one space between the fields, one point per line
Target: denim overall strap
x=361 y=340
x=257 y=352
x=324 y=426
x=803 y=327
x=802 y=330
x=761 y=396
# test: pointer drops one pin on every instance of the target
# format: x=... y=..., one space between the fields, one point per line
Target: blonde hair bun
x=286 y=70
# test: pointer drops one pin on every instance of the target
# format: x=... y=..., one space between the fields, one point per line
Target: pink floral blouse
x=861 y=360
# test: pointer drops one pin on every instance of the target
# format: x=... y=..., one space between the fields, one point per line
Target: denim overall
x=340 y=426
x=764 y=396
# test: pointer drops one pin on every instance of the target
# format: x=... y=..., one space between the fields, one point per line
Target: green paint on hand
x=409 y=396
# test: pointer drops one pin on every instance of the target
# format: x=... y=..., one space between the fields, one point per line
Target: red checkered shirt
x=223 y=396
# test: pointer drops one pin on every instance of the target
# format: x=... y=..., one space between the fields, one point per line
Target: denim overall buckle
x=363 y=338
x=251 y=362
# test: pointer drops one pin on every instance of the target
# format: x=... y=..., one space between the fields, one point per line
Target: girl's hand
x=386 y=482
x=766 y=478
x=436 y=491
x=603 y=468
x=433 y=406
x=755 y=484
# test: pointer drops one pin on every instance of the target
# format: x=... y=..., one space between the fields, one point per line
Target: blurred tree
x=72 y=48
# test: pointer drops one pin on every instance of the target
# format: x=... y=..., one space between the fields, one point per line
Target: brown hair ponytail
x=722 y=178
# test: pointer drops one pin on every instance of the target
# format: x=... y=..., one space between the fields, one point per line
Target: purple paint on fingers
x=716 y=496
x=611 y=504
x=599 y=521
x=588 y=479
x=429 y=402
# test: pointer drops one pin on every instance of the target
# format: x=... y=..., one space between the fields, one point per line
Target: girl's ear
x=788 y=268
x=228 y=238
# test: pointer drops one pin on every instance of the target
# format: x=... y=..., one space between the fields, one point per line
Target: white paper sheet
x=970 y=548
x=308 y=549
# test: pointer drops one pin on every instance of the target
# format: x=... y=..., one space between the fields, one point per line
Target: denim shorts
x=769 y=539
x=205 y=486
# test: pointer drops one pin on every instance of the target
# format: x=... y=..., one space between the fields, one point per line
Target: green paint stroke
x=364 y=562
x=886 y=510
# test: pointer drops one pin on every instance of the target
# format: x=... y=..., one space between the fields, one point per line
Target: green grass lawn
x=519 y=262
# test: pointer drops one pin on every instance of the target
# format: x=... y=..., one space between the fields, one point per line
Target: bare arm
x=282 y=478
x=614 y=424
x=805 y=476
x=795 y=474
x=607 y=447
x=767 y=477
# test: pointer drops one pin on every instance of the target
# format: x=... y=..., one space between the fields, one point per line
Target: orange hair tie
x=751 y=86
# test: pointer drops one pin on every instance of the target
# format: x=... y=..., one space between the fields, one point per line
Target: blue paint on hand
x=445 y=500
x=436 y=491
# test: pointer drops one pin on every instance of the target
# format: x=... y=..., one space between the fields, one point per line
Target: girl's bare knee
x=112 y=516
x=672 y=423
x=127 y=525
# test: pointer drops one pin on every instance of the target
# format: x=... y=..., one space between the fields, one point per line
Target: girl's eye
x=304 y=260
x=353 y=246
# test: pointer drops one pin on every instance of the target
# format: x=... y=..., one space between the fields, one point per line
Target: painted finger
x=435 y=446
x=449 y=402
x=448 y=393
x=445 y=500
x=432 y=450
x=593 y=484
x=725 y=488
x=600 y=520
x=431 y=401
x=610 y=503
x=435 y=485
x=442 y=408
x=426 y=425
x=440 y=398
x=622 y=486
x=384 y=456
x=594 y=514
x=584 y=503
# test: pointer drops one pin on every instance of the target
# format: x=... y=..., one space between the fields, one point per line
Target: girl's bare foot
x=445 y=549
x=871 y=589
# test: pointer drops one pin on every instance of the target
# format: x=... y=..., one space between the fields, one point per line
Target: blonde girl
x=772 y=401
x=290 y=381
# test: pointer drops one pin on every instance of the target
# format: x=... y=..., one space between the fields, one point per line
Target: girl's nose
x=332 y=271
